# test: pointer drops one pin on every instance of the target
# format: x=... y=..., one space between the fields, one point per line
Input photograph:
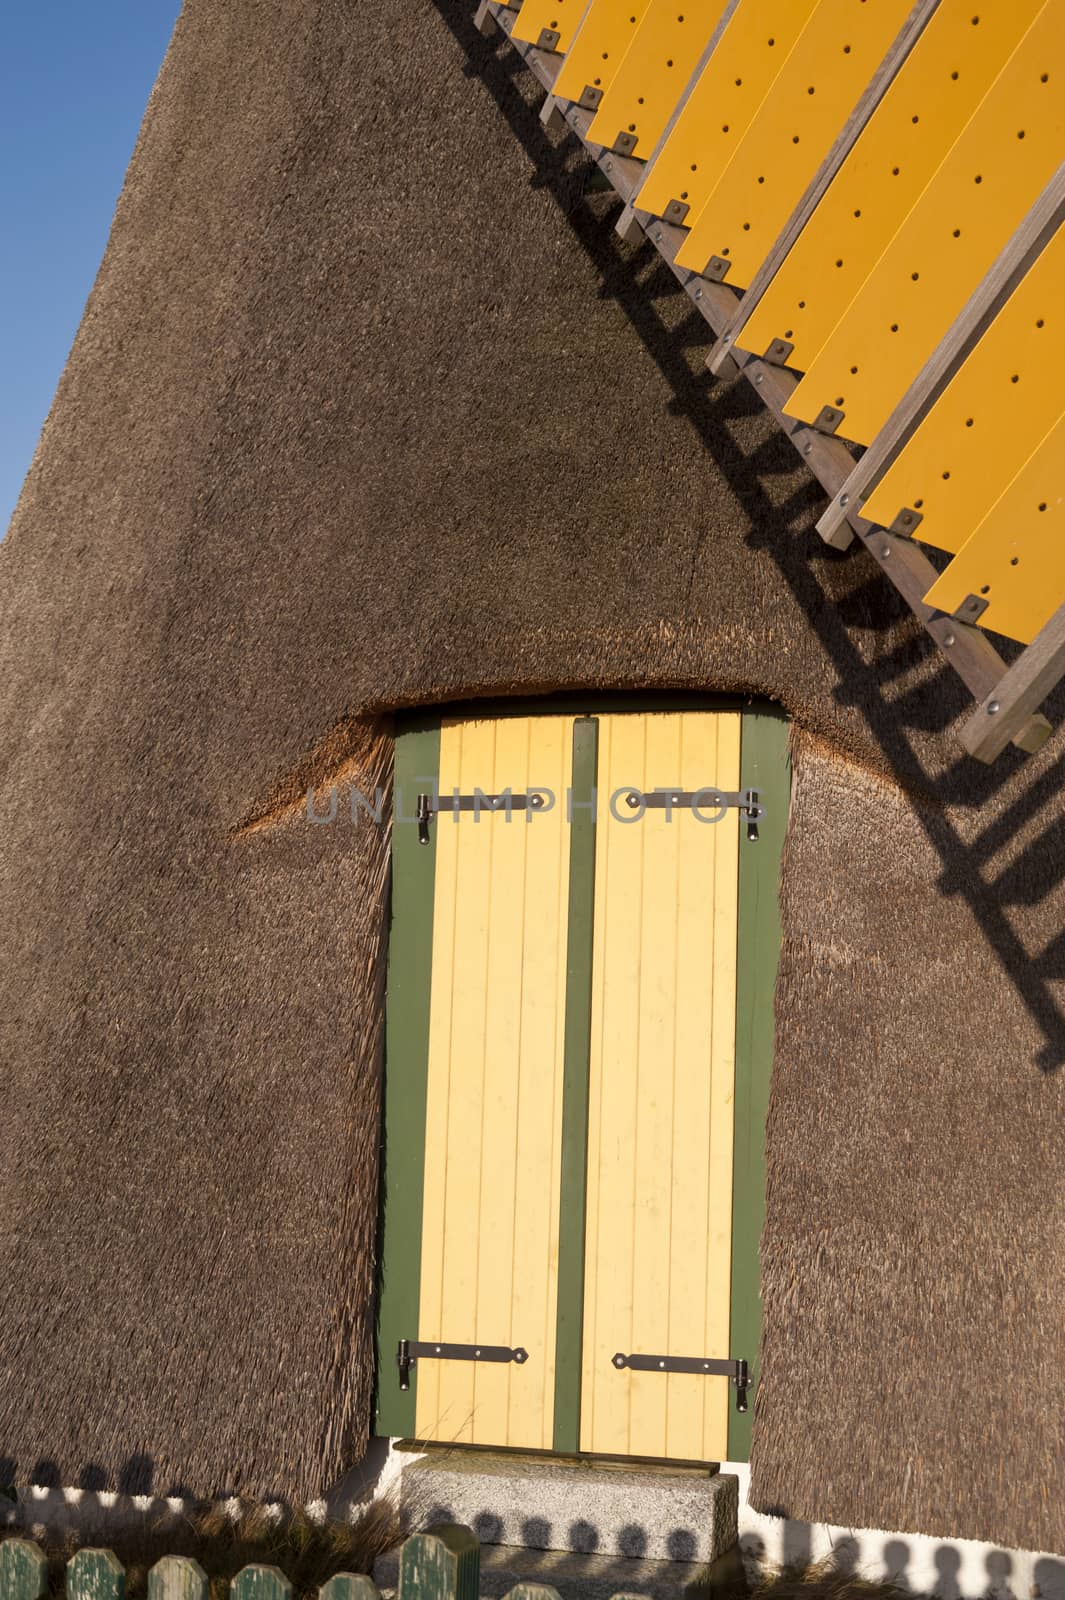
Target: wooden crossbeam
x=1038 y=227
x=967 y=649
x=483 y=19
x=1007 y=708
x=774 y=157
x=920 y=117
x=934 y=262
x=977 y=437
x=599 y=49
x=907 y=37
x=741 y=60
x=642 y=214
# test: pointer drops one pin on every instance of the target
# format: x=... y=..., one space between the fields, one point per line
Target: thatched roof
x=370 y=408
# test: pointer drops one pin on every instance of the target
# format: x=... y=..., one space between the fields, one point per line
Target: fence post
x=349 y=1586
x=95 y=1575
x=23 y=1570
x=260 y=1583
x=444 y=1564
x=177 y=1578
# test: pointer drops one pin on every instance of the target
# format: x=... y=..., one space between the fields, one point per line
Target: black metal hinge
x=430 y=804
x=747 y=801
x=701 y=1366
x=410 y=1349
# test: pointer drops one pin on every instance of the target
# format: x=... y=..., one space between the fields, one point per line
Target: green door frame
x=410 y=965
x=764 y=766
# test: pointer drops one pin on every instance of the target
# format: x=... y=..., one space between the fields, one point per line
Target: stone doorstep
x=587 y=1577
x=679 y=1515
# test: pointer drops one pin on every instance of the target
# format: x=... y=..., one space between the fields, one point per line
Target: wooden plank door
x=661 y=1086
x=576 y=1076
x=490 y=1214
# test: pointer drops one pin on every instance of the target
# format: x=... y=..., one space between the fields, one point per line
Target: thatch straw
x=369 y=409
x=823 y=1580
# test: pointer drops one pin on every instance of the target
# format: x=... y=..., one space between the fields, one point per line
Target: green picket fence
x=442 y=1565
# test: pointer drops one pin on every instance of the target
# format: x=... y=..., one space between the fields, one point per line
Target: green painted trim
x=569 y=1325
x=764 y=765
x=410 y=957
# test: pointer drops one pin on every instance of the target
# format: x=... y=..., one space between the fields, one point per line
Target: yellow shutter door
x=494 y=1110
x=659 y=1194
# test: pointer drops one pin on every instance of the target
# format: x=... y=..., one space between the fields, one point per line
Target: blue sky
x=74 y=81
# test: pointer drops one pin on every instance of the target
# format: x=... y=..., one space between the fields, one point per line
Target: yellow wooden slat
x=599 y=47
x=490 y=1213
x=723 y=102
x=662 y=1077
x=685 y=1118
x=993 y=174
x=701 y=1225
x=980 y=432
x=651 y=1178
x=654 y=74
x=818 y=86
x=498 y=1091
x=538 y=1121
x=1015 y=559
x=559 y=16
x=934 y=93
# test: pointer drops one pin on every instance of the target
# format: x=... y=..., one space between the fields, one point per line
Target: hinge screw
x=993 y=707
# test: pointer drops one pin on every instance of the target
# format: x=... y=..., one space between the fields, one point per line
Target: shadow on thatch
x=906 y=691
x=222 y=1538
x=823 y=1580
